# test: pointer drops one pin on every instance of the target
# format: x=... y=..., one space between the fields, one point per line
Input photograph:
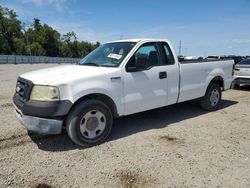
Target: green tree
x=38 y=39
x=44 y=35
x=10 y=30
x=36 y=49
x=69 y=37
x=51 y=40
x=36 y=24
x=69 y=45
x=19 y=45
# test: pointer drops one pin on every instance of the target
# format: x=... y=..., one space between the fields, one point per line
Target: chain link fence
x=18 y=59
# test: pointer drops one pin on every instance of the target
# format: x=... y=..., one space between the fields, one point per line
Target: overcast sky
x=205 y=27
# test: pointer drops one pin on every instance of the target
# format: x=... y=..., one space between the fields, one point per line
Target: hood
x=55 y=75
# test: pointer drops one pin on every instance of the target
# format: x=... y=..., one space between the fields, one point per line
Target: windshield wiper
x=97 y=65
x=91 y=64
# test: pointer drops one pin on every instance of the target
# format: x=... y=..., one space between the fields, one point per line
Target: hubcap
x=214 y=98
x=92 y=124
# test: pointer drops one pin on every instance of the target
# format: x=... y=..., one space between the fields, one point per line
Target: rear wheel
x=212 y=98
x=89 y=123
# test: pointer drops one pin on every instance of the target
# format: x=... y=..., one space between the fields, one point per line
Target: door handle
x=162 y=75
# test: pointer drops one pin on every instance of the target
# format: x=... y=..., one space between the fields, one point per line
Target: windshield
x=108 y=55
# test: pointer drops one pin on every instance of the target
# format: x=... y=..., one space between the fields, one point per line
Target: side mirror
x=137 y=64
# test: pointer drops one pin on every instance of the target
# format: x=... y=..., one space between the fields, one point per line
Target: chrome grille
x=23 y=89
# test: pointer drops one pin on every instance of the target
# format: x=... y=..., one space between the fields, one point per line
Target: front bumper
x=42 y=117
x=39 y=125
x=43 y=109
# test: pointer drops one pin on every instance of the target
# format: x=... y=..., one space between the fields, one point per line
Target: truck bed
x=202 y=60
x=195 y=75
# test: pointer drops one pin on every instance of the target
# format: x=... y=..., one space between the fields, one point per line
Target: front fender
x=74 y=92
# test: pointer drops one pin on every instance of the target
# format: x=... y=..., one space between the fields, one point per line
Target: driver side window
x=148 y=53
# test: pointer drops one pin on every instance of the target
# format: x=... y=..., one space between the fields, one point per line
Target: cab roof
x=139 y=40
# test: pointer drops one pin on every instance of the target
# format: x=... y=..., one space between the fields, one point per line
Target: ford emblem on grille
x=18 y=89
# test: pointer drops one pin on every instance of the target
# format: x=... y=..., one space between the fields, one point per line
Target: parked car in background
x=242 y=73
x=236 y=59
x=181 y=57
x=190 y=57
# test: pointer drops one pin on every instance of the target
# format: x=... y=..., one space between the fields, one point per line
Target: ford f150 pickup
x=117 y=79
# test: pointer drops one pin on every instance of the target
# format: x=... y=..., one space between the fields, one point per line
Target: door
x=173 y=72
x=145 y=87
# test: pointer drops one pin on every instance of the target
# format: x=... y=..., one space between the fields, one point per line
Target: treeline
x=38 y=39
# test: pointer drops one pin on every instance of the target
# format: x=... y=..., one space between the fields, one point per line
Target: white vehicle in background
x=242 y=73
x=213 y=57
x=190 y=57
x=117 y=79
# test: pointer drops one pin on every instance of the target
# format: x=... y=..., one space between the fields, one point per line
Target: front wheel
x=212 y=98
x=89 y=123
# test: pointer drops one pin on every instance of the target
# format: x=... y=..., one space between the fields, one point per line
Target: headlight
x=44 y=93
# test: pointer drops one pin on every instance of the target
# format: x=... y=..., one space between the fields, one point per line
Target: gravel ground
x=175 y=146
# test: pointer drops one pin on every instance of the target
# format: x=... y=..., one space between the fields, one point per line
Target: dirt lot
x=176 y=146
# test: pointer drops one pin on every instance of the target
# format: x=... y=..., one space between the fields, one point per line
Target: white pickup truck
x=117 y=79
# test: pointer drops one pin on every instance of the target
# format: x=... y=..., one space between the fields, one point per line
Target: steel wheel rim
x=215 y=97
x=92 y=124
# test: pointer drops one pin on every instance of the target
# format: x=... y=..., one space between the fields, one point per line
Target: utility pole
x=186 y=51
x=26 y=37
x=180 y=48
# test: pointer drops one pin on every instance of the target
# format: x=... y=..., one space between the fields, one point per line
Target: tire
x=89 y=123
x=212 y=98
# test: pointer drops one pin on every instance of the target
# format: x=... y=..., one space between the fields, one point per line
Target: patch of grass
x=6 y=105
x=129 y=179
x=41 y=185
x=171 y=139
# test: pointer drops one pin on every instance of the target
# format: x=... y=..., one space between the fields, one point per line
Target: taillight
x=234 y=69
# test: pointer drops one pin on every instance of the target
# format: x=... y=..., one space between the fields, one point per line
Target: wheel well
x=101 y=97
x=218 y=80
